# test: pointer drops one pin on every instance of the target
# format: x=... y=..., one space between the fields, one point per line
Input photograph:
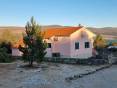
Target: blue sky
x=96 y=13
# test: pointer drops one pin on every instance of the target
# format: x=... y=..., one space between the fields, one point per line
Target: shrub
x=4 y=56
x=99 y=42
x=7 y=46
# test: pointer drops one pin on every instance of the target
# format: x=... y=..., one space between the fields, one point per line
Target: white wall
x=48 y=50
x=82 y=52
x=61 y=46
x=16 y=52
x=66 y=45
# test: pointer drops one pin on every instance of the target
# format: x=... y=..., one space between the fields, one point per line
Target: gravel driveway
x=52 y=75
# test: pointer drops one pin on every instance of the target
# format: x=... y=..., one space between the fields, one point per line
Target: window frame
x=57 y=54
x=49 y=45
x=87 y=44
x=55 y=39
x=77 y=45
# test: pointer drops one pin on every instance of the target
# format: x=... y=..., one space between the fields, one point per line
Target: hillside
x=107 y=32
x=15 y=30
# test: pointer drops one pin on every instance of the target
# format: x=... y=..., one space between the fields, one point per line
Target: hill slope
x=107 y=32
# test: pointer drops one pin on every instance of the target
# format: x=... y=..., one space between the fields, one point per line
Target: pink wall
x=66 y=45
x=48 y=50
x=61 y=46
x=16 y=52
x=82 y=52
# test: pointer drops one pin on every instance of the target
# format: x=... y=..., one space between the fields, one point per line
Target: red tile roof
x=67 y=31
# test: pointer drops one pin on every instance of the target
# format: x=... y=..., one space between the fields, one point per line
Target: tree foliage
x=99 y=42
x=114 y=44
x=8 y=47
x=100 y=46
x=34 y=49
x=5 y=52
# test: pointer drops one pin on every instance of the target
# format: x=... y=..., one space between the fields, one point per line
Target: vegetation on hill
x=8 y=36
x=105 y=30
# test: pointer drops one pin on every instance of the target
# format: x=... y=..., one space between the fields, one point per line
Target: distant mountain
x=14 y=29
x=44 y=27
x=107 y=32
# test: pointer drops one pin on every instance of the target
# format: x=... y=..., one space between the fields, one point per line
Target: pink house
x=15 y=50
x=69 y=42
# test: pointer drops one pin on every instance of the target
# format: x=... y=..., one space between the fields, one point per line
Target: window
x=56 y=54
x=55 y=38
x=87 y=45
x=77 y=45
x=49 y=45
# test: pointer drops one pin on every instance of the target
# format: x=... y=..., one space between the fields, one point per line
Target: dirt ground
x=52 y=75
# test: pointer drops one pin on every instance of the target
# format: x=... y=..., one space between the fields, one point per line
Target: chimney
x=80 y=25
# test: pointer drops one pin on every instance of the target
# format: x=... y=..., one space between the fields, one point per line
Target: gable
x=90 y=34
x=83 y=33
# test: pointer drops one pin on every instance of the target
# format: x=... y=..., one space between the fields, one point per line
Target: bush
x=99 y=42
x=4 y=56
x=8 y=47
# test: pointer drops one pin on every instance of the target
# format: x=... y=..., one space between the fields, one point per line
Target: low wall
x=112 y=60
x=89 y=61
x=62 y=60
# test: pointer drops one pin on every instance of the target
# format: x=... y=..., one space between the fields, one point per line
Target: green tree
x=34 y=49
x=100 y=46
x=114 y=44
x=4 y=55
x=99 y=42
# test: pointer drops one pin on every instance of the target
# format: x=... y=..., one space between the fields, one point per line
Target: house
x=15 y=50
x=69 y=42
x=66 y=42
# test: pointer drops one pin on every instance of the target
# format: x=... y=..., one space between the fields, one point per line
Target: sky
x=93 y=13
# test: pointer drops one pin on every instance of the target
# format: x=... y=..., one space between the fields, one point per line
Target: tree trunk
x=31 y=63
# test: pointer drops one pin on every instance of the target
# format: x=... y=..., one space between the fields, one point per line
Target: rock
x=21 y=71
x=0 y=85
